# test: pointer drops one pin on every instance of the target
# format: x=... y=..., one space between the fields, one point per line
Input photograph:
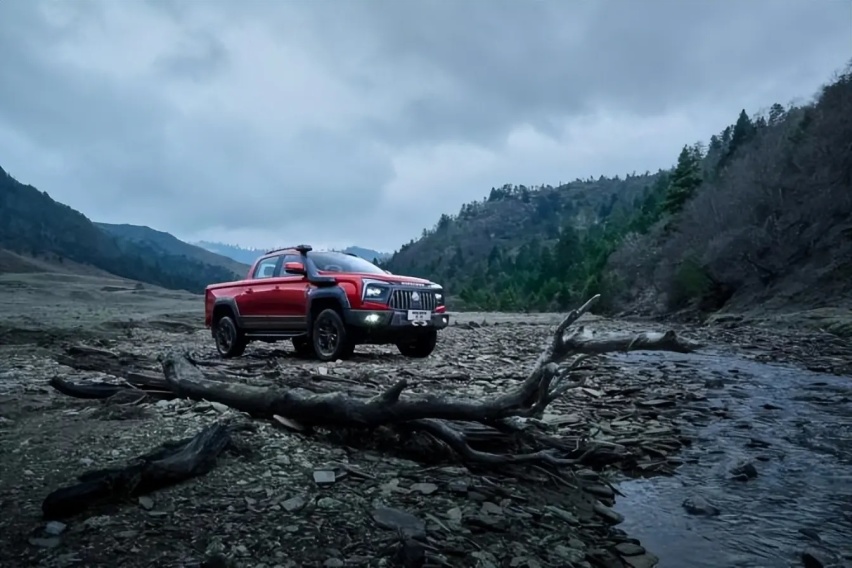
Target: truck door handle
x=249 y=291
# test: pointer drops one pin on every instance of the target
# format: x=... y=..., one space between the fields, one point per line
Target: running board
x=274 y=335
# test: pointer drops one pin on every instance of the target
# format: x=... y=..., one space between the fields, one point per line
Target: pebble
x=55 y=528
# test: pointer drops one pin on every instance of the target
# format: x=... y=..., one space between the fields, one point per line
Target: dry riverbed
x=265 y=504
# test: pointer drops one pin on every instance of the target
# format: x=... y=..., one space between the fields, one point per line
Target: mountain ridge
x=34 y=225
x=248 y=255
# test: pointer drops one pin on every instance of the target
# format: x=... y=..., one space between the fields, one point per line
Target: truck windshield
x=341 y=262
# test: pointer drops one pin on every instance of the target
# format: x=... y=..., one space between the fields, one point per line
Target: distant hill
x=481 y=247
x=171 y=245
x=249 y=255
x=756 y=220
x=33 y=225
x=367 y=254
x=234 y=252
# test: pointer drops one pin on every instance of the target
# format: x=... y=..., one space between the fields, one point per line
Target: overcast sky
x=264 y=122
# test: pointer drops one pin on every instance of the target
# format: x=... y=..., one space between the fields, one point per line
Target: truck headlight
x=375 y=291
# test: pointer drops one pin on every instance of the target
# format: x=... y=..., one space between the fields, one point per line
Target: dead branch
x=167 y=465
x=509 y=422
x=550 y=378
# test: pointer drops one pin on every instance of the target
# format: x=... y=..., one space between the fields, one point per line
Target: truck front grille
x=402 y=300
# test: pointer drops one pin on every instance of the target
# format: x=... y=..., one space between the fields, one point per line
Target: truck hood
x=389 y=278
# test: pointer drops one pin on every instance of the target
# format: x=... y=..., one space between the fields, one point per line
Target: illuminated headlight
x=375 y=291
x=372 y=318
x=439 y=297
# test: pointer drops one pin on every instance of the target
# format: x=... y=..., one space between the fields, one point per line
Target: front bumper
x=393 y=321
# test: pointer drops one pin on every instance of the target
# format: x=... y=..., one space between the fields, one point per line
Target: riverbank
x=261 y=505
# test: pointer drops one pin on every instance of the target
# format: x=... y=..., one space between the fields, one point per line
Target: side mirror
x=294 y=268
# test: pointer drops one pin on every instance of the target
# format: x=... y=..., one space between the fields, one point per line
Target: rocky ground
x=280 y=497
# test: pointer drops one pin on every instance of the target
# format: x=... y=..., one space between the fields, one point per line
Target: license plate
x=419 y=315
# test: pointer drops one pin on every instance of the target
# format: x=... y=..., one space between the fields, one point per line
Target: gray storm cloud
x=343 y=122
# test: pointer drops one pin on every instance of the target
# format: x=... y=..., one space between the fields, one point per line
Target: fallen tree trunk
x=549 y=380
x=101 y=390
x=167 y=465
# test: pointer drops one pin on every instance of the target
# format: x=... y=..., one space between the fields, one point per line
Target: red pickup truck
x=326 y=303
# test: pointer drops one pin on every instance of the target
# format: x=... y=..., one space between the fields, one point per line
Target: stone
x=401 y=521
x=324 y=477
x=697 y=505
x=609 y=515
x=744 y=471
x=646 y=560
x=294 y=504
x=629 y=549
x=55 y=528
x=146 y=502
x=424 y=488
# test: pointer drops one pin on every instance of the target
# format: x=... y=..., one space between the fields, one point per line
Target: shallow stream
x=795 y=427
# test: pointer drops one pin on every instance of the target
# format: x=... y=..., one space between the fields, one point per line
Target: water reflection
x=796 y=428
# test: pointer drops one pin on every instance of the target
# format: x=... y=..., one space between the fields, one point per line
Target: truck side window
x=266 y=268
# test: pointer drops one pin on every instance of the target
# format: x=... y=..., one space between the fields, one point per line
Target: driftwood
x=442 y=417
x=503 y=429
x=136 y=383
x=169 y=464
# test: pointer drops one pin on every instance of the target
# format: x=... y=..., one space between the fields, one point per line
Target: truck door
x=291 y=297
x=257 y=298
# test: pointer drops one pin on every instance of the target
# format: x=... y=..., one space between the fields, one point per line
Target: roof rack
x=300 y=248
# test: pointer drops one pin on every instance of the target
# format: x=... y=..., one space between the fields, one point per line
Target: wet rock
x=629 y=549
x=401 y=521
x=646 y=560
x=744 y=471
x=609 y=515
x=699 y=506
x=817 y=558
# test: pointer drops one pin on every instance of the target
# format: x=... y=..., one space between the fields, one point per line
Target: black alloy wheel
x=230 y=341
x=331 y=342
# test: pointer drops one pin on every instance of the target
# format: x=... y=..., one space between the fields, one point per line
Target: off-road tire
x=329 y=336
x=304 y=347
x=420 y=347
x=230 y=339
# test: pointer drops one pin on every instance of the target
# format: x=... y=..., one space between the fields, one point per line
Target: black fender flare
x=334 y=293
x=231 y=304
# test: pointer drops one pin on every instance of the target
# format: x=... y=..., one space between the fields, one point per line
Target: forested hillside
x=511 y=250
x=761 y=213
x=32 y=223
x=168 y=244
x=762 y=217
